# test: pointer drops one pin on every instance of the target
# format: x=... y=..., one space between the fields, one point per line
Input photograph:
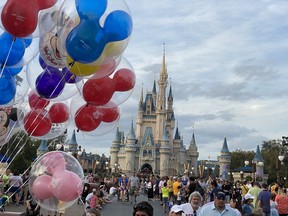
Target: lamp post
x=279 y=162
x=241 y=175
x=206 y=168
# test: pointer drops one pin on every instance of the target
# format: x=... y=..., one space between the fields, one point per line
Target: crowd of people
x=178 y=195
x=221 y=197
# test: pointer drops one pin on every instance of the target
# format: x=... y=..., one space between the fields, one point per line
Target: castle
x=154 y=145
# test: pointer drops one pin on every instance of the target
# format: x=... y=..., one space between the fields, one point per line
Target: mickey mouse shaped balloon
x=86 y=42
x=20 y=18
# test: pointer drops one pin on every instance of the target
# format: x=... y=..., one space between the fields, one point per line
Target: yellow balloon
x=116 y=48
x=80 y=69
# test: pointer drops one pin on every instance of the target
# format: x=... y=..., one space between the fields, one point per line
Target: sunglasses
x=221 y=197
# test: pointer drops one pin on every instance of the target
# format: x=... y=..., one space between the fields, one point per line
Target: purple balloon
x=69 y=76
x=42 y=62
x=50 y=83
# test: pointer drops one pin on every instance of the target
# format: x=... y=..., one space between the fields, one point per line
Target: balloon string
x=5 y=62
x=26 y=169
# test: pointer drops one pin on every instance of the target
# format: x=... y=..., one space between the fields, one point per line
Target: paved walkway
x=113 y=208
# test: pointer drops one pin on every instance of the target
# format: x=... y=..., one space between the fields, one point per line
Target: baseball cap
x=248 y=196
x=94 y=190
x=220 y=194
x=176 y=209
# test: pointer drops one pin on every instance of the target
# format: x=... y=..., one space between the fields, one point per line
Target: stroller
x=3 y=202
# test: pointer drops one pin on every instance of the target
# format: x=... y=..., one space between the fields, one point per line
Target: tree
x=238 y=158
x=270 y=151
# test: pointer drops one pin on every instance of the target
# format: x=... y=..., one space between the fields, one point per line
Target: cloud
x=227 y=61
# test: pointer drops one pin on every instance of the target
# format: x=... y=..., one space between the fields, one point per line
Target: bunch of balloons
x=56 y=180
x=69 y=54
x=61 y=62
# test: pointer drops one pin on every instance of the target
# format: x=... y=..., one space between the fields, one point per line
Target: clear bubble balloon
x=34 y=68
x=56 y=180
x=94 y=120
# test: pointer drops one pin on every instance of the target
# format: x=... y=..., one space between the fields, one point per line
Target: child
x=165 y=196
x=179 y=195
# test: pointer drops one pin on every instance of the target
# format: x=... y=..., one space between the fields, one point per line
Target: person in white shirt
x=15 y=183
x=193 y=206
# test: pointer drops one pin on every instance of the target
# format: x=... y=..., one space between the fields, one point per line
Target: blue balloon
x=85 y=43
x=118 y=26
x=12 y=71
x=90 y=9
x=50 y=83
x=15 y=46
x=27 y=42
x=7 y=88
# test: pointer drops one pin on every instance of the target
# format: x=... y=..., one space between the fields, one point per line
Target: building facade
x=156 y=145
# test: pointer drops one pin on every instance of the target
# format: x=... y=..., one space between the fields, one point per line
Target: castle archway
x=145 y=170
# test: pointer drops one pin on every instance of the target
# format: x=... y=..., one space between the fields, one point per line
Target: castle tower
x=43 y=148
x=182 y=158
x=130 y=149
x=161 y=102
x=165 y=151
x=224 y=160
x=192 y=155
x=73 y=145
x=259 y=162
x=140 y=114
x=170 y=120
x=114 y=149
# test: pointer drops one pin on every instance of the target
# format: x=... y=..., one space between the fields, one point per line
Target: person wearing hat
x=91 y=200
x=247 y=207
x=218 y=207
x=176 y=210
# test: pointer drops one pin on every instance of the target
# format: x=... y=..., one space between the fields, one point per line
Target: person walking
x=193 y=207
x=133 y=187
x=282 y=201
x=218 y=207
x=165 y=196
x=264 y=200
x=255 y=191
x=247 y=206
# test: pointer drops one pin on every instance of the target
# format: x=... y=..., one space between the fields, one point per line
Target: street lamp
x=281 y=158
x=246 y=162
x=241 y=175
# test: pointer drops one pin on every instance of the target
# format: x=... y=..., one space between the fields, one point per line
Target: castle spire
x=225 y=146
x=164 y=69
x=258 y=157
x=131 y=134
x=141 y=96
x=154 y=87
x=177 y=134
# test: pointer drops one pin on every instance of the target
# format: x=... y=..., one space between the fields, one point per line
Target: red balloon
x=20 y=19
x=88 y=118
x=98 y=92
x=59 y=113
x=105 y=69
x=124 y=80
x=111 y=114
x=36 y=102
x=37 y=122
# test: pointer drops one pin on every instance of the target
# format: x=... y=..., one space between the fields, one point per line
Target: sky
x=228 y=64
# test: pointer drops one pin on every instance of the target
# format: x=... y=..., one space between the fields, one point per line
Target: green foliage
x=22 y=149
x=238 y=158
x=270 y=151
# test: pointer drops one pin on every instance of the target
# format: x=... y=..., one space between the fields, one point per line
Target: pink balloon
x=41 y=188
x=66 y=185
x=53 y=161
